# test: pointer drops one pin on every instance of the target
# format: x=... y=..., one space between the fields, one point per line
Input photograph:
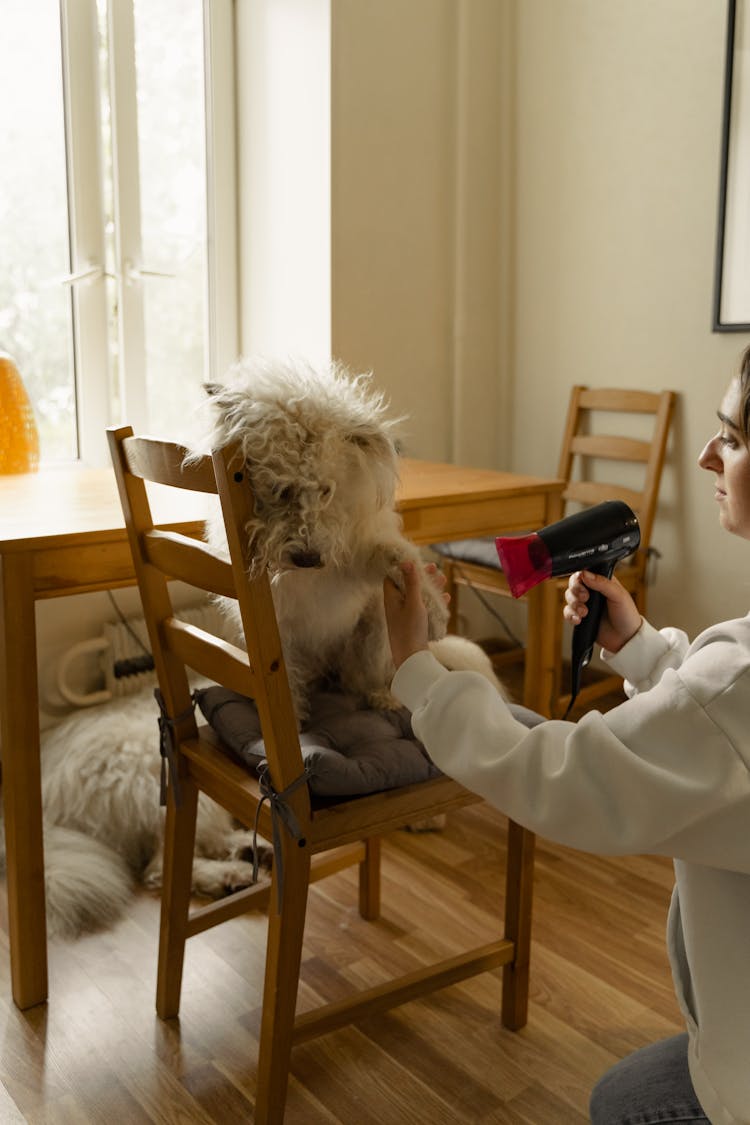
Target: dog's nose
x=306 y=559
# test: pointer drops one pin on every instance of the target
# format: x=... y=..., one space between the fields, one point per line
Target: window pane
x=171 y=142
x=35 y=312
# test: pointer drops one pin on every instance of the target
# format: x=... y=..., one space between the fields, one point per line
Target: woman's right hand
x=620 y=620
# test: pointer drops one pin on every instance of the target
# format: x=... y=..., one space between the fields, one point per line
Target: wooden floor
x=600 y=987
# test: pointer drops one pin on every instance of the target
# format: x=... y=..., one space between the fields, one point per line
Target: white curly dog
x=322 y=463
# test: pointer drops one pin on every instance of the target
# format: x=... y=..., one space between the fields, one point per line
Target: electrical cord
x=130 y=666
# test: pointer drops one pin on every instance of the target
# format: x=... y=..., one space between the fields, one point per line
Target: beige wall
x=536 y=182
x=418 y=193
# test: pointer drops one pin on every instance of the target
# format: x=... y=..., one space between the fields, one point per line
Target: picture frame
x=731 y=311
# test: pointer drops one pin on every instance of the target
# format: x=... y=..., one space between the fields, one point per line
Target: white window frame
x=222 y=192
x=86 y=223
x=87 y=278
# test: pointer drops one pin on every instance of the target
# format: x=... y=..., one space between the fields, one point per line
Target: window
x=113 y=191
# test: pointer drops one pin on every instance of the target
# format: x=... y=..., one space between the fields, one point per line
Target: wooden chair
x=329 y=835
x=587 y=460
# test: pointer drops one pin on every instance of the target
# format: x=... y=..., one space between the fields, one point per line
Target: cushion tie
x=281 y=813
x=167 y=748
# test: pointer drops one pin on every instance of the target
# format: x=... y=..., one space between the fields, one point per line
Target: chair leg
x=179 y=846
x=283 y=957
x=369 y=880
x=518 y=900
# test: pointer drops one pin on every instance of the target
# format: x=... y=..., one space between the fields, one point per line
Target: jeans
x=650 y=1087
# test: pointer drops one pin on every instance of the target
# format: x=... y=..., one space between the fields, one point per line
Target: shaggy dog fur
x=322 y=464
x=103 y=827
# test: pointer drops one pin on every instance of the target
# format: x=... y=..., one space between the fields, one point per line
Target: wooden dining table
x=62 y=532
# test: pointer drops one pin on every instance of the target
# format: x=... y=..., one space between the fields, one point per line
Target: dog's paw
x=437 y=622
x=437 y=614
x=395 y=574
x=216 y=878
x=265 y=856
x=237 y=875
x=243 y=845
x=152 y=879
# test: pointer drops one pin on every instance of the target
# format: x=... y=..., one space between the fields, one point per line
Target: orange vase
x=19 y=438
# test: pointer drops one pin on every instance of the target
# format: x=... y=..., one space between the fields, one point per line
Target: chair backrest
x=160 y=555
x=585 y=448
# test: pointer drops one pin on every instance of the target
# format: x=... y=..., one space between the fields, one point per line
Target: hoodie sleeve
x=645 y=658
x=665 y=772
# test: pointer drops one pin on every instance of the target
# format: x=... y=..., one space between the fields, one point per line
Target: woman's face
x=728 y=457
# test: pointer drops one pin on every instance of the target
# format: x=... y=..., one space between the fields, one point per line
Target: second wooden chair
x=588 y=458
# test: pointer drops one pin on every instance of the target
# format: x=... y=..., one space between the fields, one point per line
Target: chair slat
x=209 y=655
x=164 y=463
x=594 y=492
x=611 y=448
x=612 y=398
x=189 y=560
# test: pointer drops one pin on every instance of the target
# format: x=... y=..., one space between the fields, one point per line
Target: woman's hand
x=405 y=611
x=620 y=620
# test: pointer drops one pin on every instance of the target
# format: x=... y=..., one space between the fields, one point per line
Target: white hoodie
x=667 y=772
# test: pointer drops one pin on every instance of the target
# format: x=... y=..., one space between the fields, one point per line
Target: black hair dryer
x=593 y=539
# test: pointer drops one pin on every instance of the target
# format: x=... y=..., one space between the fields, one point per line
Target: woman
x=667 y=772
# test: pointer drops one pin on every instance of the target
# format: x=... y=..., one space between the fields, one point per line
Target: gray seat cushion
x=349 y=749
x=483 y=552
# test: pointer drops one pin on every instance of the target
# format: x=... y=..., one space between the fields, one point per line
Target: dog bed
x=348 y=749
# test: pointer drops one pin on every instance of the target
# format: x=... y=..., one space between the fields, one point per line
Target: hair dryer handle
x=584 y=634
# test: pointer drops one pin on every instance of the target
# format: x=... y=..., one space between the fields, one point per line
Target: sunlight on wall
x=284 y=91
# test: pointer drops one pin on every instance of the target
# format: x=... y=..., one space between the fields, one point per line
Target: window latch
x=79 y=277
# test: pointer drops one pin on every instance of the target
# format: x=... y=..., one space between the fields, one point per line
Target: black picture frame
x=731 y=309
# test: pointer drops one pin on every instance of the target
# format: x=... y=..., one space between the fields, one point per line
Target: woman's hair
x=744 y=381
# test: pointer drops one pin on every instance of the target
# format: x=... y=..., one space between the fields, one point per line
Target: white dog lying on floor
x=322 y=464
x=103 y=826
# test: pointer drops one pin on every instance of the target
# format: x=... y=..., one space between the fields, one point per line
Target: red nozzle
x=525 y=560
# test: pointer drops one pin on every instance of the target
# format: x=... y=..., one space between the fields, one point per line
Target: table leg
x=21 y=782
x=541 y=638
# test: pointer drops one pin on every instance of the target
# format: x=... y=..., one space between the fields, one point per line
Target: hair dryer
x=593 y=539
